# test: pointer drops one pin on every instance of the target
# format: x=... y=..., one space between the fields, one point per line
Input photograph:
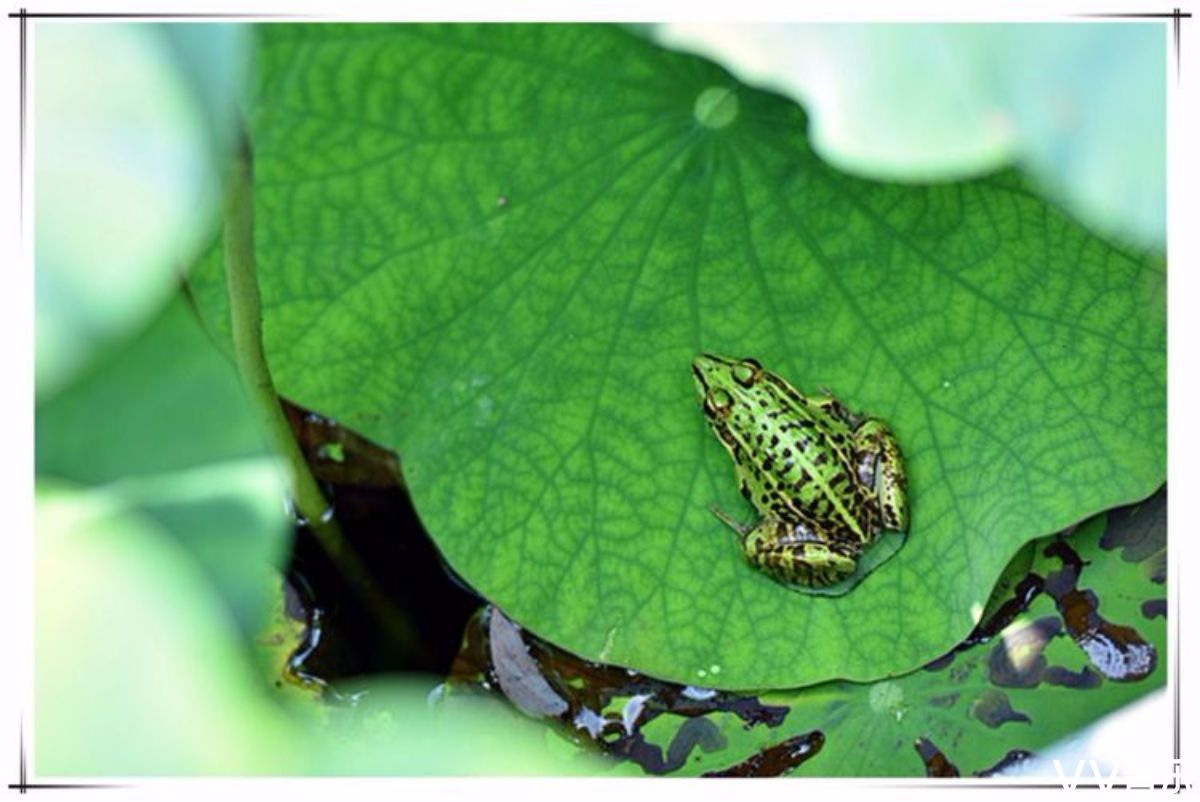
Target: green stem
x=245 y=310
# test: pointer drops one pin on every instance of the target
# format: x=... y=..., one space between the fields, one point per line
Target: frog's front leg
x=734 y=524
x=881 y=466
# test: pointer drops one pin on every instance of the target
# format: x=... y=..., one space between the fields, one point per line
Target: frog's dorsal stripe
x=792 y=403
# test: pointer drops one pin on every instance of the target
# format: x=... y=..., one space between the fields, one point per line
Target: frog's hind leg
x=810 y=563
x=881 y=466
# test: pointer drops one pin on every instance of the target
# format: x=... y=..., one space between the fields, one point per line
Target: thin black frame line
x=24 y=15
x=1176 y=14
x=1178 y=54
x=21 y=49
x=26 y=787
x=23 y=785
x=150 y=15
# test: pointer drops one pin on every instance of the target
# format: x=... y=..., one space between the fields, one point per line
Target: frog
x=825 y=481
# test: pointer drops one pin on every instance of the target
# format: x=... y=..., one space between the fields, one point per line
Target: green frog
x=824 y=480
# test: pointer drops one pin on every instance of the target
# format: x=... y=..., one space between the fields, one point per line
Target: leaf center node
x=716 y=107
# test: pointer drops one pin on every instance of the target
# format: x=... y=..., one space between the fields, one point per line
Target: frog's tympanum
x=824 y=480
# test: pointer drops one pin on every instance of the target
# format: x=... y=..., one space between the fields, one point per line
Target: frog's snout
x=702 y=367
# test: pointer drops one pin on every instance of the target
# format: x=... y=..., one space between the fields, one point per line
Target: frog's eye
x=719 y=402
x=746 y=372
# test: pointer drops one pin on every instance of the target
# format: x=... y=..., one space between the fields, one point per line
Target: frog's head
x=722 y=383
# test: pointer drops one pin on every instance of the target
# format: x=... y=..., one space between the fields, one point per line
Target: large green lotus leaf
x=497 y=248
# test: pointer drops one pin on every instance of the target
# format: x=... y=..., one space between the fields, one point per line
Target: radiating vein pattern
x=497 y=248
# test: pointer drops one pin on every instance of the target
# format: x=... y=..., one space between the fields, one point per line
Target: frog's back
x=801 y=469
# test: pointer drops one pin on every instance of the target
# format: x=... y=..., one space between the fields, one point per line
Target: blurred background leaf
x=1082 y=106
x=161 y=521
x=130 y=124
x=162 y=425
x=139 y=673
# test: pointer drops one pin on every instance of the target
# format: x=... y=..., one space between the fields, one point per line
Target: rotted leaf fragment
x=1154 y=608
x=1119 y=652
x=605 y=707
x=775 y=761
x=1014 y=758
x=936 y=762
x=993 y=709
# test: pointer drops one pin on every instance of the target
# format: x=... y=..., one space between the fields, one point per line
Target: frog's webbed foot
x=881 y=466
